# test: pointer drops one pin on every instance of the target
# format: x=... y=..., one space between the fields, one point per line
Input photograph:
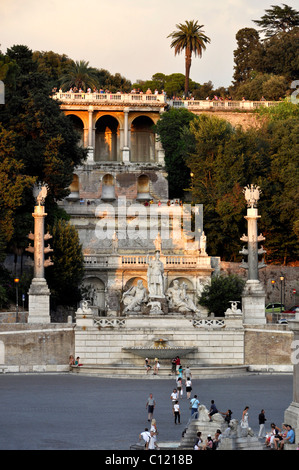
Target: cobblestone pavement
x=69 y=411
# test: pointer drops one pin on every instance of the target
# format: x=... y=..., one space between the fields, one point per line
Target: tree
x=223 y=289
x=247 y=55
x=79 y=75
x=13 y=184
x=173 y=131
x=190 y=38
x=278 y=20
x=65 y=275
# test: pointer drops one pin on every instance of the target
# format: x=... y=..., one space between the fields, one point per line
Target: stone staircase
x=137 y=371
x=235 y=441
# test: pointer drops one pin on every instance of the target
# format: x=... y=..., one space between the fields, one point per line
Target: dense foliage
x=37 y=143
x=222 y=290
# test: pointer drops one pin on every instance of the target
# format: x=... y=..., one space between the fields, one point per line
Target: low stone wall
x=30 y=348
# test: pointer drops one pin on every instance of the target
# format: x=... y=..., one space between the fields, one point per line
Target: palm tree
x=80 y=75
x=189 y=37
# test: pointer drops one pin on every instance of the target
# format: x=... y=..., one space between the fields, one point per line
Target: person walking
x=177 y=413
x=188 y=385
x=179 y=387
x=150 y=406
x=262 y=420
x=174 y=397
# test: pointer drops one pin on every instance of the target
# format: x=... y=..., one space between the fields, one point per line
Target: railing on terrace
x=112 y=98
x=141 y=260
x=193 y=105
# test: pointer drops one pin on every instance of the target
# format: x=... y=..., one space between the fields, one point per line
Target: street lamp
x=281 y=282
x=16 y=281
x=273 y=284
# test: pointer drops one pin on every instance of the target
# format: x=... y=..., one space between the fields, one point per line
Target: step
x=131 y=370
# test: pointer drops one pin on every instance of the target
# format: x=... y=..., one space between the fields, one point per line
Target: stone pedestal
x=126 y=155
x=291 y=415
x=253 y=303
x=39 y=301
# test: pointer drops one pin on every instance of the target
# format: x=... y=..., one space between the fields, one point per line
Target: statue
x=203 y=243
x=134 y=297
x=252 y=195
x=114 y=243
x=155 y=276
x=179 y=299
x=233 y=310
x=40 y=191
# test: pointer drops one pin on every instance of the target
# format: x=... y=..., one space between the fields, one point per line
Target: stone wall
x=105 y=344
x=267 y=345
x=28 y=348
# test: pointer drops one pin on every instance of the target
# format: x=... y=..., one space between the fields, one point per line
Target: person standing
x=245 y=418
x=177 y=413
x=150 y=406
x=262 y=420
x=194 y=403
x=151 y=443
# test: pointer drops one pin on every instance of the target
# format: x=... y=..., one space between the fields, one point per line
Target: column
x=291 y=415
x=39 y=293
x=126 y=149
x=91 y=140
x=253 y=298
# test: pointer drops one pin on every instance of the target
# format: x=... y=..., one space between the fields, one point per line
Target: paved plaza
x=72 y=411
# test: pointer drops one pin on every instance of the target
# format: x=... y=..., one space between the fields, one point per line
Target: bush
x=220 y=292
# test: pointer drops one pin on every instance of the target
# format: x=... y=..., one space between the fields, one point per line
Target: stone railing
x=109 y=322
x=120 y=322
x=168 y=260
x=111 y=98
x=141 y=260
x=218 y=105
x=209 y=322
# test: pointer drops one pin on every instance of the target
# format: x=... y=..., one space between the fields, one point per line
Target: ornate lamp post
x=253 y=299
x=39 y=294
x=16 y=281
x=281 y=292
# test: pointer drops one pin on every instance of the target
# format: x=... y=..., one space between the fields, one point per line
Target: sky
x=130 y=37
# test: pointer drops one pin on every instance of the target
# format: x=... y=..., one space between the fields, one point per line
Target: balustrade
x=122 y=98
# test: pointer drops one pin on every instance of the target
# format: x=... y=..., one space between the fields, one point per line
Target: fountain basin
x=161 y=353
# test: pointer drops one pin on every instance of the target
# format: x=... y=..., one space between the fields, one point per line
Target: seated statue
x=179 y=299
x=134 y=297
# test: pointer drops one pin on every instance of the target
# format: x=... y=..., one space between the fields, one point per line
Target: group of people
x=148 y=366
x=277 y=438
x=169 y=203
x=74 y=362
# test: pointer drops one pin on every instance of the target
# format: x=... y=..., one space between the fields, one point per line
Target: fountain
x=161 y=347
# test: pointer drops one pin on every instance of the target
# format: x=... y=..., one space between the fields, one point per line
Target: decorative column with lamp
x=253 y=297
x=39 y=293
x=281 y=292
x=16 y=281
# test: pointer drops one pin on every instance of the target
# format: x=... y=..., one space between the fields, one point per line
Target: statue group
x=175 y=297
